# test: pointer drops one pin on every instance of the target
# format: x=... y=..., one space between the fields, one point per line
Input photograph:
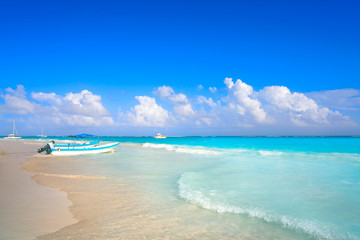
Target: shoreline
x=89 y=204
x=135 y=193
x=29 y=210
x=95 y=198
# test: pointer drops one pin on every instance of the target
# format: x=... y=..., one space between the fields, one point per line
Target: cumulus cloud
x=301 y=109
x=84 y=103
x=238 y=106
x=75 y=109
x=181 y=104
x=16 y=102
x=148 y=113
x=213 y=89
x=51 y=98
x=241 y=98
x=242 y=106
x=184 y=110
x=208 y=101
x=164 y=91
x=179 y=98
x=81 y=120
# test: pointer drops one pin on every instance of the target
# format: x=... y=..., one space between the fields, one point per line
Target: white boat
x=42 y=134
x=158 y=136
x=77 y=144
x=12 y=135
x=64 y=151
x=78 y=147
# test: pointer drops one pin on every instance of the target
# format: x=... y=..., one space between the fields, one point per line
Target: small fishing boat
x=12 y=135
x=77 y=144
x=80 y=140
x=77 y=148
x=159 y=136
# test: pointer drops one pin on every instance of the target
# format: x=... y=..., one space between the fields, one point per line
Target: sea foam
x=204 y=200
x=269 y=153
x=182 y=149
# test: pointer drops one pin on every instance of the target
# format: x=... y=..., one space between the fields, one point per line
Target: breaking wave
x=182 y=149
x=205 y=200
x=269 y=153
x=207 y=151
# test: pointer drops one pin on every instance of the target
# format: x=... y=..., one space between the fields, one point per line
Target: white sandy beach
x=28 y=210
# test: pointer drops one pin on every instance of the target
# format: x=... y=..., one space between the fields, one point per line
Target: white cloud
x=75 y=109
x=179 y=98
x=51 y=98
x=342 y=99
x=184 y=110
x=241 y=98
x=16 y=102
x=148 y=113
x=282 y=98
x=182 y=105
x=164 y=91
x=301 y=109
x=213 y=89
x=81 y=120
x=244 y=107
x=84 y=103
x=200 y=87
x=208 y=101
x=273 y=107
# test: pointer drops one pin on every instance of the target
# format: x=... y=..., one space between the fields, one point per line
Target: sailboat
x=12 y=135
x=42 y=134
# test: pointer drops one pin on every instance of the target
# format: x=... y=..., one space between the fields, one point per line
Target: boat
x=77 y=148
x=68 y=151
x=80 y=140
x=77 y=144
x=159 y=136
x=42 y=134
x=12 y=135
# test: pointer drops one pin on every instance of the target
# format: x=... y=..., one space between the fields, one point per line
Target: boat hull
x=12 y=137
x=88 y=144
x=85 y=150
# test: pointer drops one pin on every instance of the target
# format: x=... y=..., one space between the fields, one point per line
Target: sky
x=182 y=68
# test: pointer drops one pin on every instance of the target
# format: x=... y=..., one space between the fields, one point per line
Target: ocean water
x=236 y=187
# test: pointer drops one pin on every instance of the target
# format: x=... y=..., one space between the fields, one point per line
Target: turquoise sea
x=241 y=187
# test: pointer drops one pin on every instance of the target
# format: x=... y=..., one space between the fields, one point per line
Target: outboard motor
x=47 y=147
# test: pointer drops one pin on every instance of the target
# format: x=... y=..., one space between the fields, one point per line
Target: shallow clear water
x=244 y=187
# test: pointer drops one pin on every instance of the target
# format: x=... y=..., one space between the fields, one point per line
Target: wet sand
x=28 y=210
x=104 y=208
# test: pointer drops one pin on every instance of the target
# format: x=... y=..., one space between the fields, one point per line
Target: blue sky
x=138 y=67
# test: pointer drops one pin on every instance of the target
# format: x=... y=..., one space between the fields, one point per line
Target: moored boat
x=42 y=134
x=159 y=136
x=80 y=140
x=77 y=144
x=77 y=148
x=12 y=135
x=104 y=148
